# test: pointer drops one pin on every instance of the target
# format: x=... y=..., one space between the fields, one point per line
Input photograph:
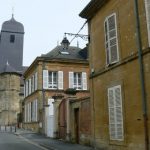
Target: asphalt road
x=9 y=141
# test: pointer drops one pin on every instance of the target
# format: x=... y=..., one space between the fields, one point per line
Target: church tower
x=11 y=44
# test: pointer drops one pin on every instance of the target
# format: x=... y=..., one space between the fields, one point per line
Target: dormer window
x=65 y=43
x=64 y=53
x=12 y=38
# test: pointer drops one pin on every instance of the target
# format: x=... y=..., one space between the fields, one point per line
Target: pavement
x=49 y=143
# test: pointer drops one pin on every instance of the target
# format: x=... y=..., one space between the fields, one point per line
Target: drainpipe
x=142 y=79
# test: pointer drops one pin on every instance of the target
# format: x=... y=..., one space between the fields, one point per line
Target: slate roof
x=9 y=69
x=12 y=26
x=71 y=52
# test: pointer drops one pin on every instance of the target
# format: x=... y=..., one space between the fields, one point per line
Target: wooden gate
x=62 y=119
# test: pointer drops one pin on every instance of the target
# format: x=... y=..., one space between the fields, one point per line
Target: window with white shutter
x=78 y=80
x=84 y=81
x=71 y=80
x=60 y=80
x=25 y=113
x=32 y=84
x=36 y=81
x=52 y=80
x=111 y=41
x=115 y=113
x=30 y=112
x=45 y=79
x=29 y=86
x=36 y=110
x=147 y=8
x=24 y=87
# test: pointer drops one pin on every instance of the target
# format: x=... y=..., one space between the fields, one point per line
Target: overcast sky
x=45 y=22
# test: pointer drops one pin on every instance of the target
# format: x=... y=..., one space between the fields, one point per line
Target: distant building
x=11 y=44
x=46 y=100
x=120 y=95
x=11 y=69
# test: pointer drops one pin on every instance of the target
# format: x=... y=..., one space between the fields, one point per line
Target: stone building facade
x=47 y=79
x=120 y=118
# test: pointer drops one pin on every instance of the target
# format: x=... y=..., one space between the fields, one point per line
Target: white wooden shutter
x=71 y=80
x=60 y=80
x=36 y=81
x=30 y=112
x=33 y=83
x=84 y=81
x=147 y=8
x=25 y=113
x=45 y=79
x=111 y=41
x=24 y=87
x=119 y=113
x=111 y=105
x=115 y=113
x=36 y=110
x=29 y=86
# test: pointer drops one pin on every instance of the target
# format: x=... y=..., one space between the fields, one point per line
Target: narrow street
x=9 y=141
x=28 y=140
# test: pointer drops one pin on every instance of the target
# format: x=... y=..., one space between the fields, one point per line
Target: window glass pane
x=53 y=78
x=12 y=38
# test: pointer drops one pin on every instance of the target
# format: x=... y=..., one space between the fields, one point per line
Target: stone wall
x=9 y=98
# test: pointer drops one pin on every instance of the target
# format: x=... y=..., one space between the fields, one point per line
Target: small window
x=78 y=80
x=12 y=38
x=53 y=80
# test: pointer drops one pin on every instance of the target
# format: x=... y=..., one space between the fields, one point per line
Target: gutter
x=142 y=78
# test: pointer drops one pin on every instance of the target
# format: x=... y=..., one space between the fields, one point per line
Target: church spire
x=12 y=12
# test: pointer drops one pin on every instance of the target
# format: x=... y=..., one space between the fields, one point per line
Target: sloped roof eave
x=92 y=7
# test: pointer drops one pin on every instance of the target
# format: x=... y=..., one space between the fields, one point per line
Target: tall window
x=12 y=38
x=111 y=41
x=31 y=111
x=78 y=80
x=147 y=8
x=115 y=113
x=52 y=80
